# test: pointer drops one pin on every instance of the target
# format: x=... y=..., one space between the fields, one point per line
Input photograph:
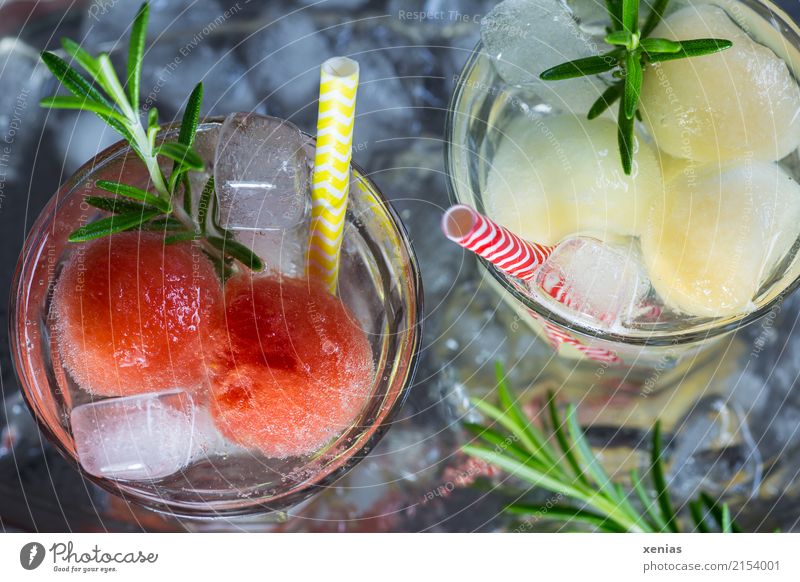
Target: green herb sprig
x=569 y=468
x=131 y=207
x=633 y=53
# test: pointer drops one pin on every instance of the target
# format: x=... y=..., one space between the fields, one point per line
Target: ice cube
x=283 y=63
x=262 y=173
x=739 y=103
x=429 y=19
x=107 y=23
x=602 y=282
x=147 y=436
x=714 y=452
x=18 y=430
x=22 y=77
x=170 y=73
x=334 y=4
x=412 y=176
x=526 y=37
x=591 y=15
x=384 y=105
x=80 y=136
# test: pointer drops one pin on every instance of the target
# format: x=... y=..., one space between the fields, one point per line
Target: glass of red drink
x=268 y=426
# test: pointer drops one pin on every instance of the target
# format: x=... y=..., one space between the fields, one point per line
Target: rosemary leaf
x=110 y=82
x=525 y=471
x=717 y=512
x=68 y=102
x=726 y=519
x=205 y=204
x=699 y=516
x=79 y=54
x=117 y=205
x=567 y=514
x=660 y=482
x=633 y=83
x=535 y=439
x=163 y=224
x=221 y=266
x=563 y=441
x=189 y=122
x=180 y=237
x=605 y=100
x=625 y=137
x=136 y=54
x=238 y=251
x=648 y=504
x=585 y=457
x=660 y=45
x=73 y=81
x=517 y=432
x=581 y=67
x=187 y=194
x=693 y=48
x=182 y=154
x=215 y=217
x=656 y=13
x=191 y=116
x=630 y=15
x=501 y=442
x=620 y=38
x=111 y=225
x=614 y=8
x=152 y=118
x=135 y=193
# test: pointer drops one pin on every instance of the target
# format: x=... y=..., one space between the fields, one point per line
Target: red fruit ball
x=296 y=368
x=134 y=315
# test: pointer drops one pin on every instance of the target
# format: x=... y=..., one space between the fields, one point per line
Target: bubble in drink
x=262 y=173
x=742 y=102
x=134 y=315
x=717 y=234
x=557 y=176
x=296 y=368
x=148 y=436
x=602 y=282
x=526 y=37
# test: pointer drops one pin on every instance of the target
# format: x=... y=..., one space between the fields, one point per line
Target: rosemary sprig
x=134 y=208
x=571 y=469
x=627 y=63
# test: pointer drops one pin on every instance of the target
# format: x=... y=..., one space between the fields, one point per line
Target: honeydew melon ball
x=558 y=176
x=717 y=233
x=739 y=103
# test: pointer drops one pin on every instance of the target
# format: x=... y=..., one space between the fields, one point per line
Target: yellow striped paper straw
x=331 y=181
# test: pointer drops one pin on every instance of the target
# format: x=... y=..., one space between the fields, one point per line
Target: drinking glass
x=484 y=107
x=378 y=281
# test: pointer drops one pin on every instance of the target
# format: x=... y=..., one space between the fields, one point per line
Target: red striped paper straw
x=498 y=245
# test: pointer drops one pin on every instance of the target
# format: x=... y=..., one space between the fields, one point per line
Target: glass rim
x=340 y=465
x=653 y=338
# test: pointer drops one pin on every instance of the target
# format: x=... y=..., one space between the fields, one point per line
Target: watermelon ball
x=296 y=367
x=134 y=315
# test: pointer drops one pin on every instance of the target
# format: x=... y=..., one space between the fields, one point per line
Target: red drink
x=287 y=365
